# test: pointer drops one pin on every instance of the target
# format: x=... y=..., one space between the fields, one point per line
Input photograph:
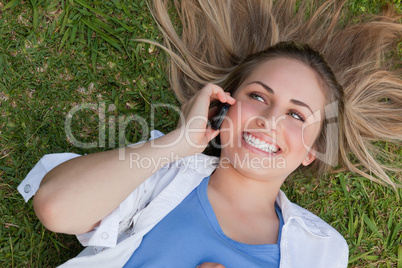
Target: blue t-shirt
x=190 y=235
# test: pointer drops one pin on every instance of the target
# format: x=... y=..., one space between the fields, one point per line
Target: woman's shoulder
x=309 y=238
x=311 y=223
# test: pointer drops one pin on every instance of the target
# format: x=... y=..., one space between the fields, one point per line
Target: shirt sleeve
x=30 y=185
x=107 y=232
x=344 y=257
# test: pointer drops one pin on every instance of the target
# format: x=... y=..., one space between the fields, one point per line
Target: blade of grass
x=351 y=225
x=11 y=4
x=111 y=40
x=371 y=225
x=84 y=12
x=91 y=8
x=359 y=256
x=390 y=219
x=393 y=233
x=101 y=25
x=65 y=18
x=125 y=26
x=371 y=257
x=34 y=4
x=125 y=9
x=105 y=26
x=359 y=238
x=1 y=65
x=63 y=40
x=74 y=32
x=94 y=54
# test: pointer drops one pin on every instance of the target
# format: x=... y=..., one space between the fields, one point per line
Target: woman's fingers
x=199 y=104
x=217 y=93
x=195 y=114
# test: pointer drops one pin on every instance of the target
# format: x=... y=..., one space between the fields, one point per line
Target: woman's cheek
x=309 y=134
x=246 y=113
x=232 y=126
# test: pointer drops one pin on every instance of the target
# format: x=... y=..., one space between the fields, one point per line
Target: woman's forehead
x=288 y=78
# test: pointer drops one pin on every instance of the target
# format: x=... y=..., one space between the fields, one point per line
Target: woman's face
x=275 y=121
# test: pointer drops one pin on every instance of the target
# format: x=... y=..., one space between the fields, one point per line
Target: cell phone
x=217 y=120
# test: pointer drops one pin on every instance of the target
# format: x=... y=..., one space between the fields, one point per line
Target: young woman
x=208 y=211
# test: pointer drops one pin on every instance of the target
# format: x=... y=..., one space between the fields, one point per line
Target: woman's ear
x=310 y=157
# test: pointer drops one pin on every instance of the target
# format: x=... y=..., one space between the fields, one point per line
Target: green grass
x=55 y=55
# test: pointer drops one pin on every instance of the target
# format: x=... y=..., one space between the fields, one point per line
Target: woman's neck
x=246 y=193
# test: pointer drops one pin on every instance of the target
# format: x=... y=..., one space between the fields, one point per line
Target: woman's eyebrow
x=300 y=103
x=263 y=85
x=270 y=90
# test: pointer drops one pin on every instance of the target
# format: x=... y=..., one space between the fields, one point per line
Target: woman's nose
x=263 y=122
x=269 y=121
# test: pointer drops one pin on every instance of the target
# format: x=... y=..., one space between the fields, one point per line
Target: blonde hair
x=216 y=36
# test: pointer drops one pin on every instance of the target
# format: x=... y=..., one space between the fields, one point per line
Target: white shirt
x=307 y=241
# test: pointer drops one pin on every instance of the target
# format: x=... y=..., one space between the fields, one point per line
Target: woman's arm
x=76 y=195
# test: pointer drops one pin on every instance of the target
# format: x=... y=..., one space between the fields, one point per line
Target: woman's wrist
x=179 y=143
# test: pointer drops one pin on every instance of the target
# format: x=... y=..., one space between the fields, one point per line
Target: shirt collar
x=310 y=222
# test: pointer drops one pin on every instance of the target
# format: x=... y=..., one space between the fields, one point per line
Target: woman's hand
x=210 y=265
x=76 y=195
x=195 y=113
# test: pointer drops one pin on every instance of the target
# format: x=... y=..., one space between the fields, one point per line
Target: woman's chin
x=255 y=166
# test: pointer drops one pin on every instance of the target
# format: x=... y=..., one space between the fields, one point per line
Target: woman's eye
x=257 y=97
x=296 y=115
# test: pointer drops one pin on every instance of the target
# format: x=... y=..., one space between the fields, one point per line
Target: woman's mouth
x=260 y=144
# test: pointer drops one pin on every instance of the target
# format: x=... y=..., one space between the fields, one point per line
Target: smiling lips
x=259 y=144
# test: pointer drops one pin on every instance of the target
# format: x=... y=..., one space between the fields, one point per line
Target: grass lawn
x=57 y=55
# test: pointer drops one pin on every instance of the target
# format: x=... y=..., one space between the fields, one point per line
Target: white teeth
x=262 y=145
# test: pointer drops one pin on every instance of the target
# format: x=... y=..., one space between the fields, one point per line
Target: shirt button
x=27 y=188
x=105 y=235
